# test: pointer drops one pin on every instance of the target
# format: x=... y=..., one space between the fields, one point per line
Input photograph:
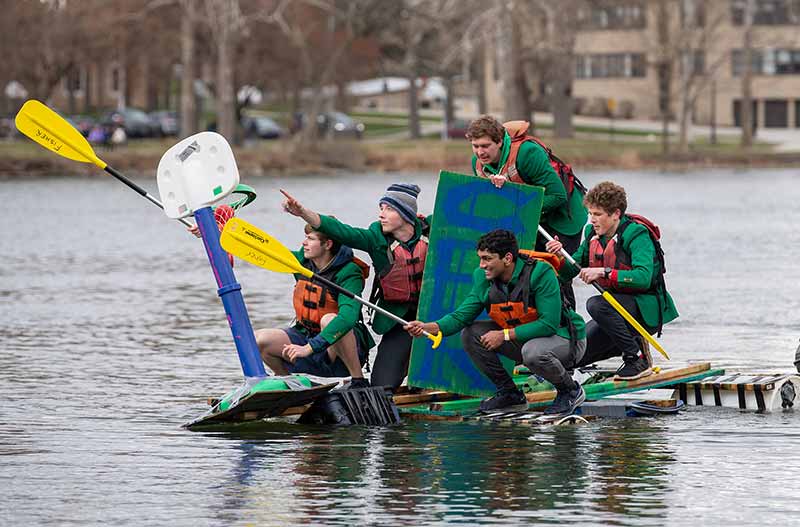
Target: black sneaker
x=505 y=401
x=566 y=401
x=644 y=351
x=633 y=370
x=357 y=382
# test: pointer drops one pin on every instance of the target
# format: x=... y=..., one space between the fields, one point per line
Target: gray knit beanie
x=403 y=198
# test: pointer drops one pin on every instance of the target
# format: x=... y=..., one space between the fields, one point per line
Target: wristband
x=506 y=335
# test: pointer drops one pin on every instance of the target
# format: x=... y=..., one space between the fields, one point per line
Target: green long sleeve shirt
x=374 y=242
x=348 y=317
x=534 y=168
x=546 y=296
x=636 y=243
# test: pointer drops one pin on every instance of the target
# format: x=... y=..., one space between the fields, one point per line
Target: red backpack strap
x=655 y=232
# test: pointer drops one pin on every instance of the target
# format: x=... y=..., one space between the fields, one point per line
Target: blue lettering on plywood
x=466 y=207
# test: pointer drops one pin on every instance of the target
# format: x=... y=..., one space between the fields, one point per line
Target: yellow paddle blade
x=53 y=132
x=259 y=248
x=633 y=322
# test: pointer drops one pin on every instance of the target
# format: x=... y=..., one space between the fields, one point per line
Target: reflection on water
x=112 y=336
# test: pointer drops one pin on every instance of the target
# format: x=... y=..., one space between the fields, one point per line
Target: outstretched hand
x=291 y=205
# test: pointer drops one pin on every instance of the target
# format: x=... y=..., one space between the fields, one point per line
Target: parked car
x=339 y=124
x=135 y=122
x=457 y=128
x=261 y=127
x=167 y=122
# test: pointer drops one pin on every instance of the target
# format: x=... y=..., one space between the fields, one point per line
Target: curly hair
x=607 y=196
x=499 y=241
x=486 y=126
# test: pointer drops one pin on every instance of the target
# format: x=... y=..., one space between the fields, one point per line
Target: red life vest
x=516 y=307
x=615 y=257
x=402 y=279
x=313 y=301
x=518 y=131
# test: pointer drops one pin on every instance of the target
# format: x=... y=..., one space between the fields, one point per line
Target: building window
x=695 y=62
x=74 y=81
x=610 y=65
x=613 y=15
x=114 y=79
x=693 y=13
x=767 y=12
x=768 y=62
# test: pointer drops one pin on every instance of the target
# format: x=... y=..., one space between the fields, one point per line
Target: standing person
x=529 y=324
x=397 y=244
x=620 y=254
x=329 y=338
x=505 y=152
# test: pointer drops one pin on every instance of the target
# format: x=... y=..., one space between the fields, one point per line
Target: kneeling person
x=329 y=338
x=529 y=324
x=621 y=253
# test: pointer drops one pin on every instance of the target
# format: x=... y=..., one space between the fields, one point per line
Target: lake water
x=112 y=336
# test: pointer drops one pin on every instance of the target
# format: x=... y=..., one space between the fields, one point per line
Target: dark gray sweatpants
x=548 y=357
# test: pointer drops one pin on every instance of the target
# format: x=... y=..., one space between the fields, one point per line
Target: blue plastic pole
x=231 y=294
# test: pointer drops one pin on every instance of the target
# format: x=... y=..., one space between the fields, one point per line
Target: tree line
x=298 y=49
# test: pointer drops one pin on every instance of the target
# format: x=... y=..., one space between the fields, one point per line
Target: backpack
x=658 y=282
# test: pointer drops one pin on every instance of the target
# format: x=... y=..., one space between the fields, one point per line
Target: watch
x=607 y=272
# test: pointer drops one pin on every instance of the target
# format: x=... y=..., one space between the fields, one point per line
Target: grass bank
x=22 y=157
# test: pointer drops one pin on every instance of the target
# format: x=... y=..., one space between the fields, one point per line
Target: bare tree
x=225 y=20
x=746 y=107
x=699 y=30
x=550 y=53
x=188 y=107
x=332 y=25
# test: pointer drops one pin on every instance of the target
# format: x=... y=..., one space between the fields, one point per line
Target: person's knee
x=326 y=319
x=534 y=357
x=470 y=337
x=596 y=306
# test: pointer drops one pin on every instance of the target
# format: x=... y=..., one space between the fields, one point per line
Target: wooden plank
x=424 y=397
x=593 y=391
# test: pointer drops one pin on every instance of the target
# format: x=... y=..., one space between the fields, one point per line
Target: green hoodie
x=534 y=168
x=547 y=301
x=349 y=317
x=374 y=242
x=636 y=242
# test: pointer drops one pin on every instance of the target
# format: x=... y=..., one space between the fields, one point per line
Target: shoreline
x=274 y=159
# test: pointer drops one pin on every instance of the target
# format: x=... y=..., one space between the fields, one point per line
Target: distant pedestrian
x=97 y=135
x=118 y=137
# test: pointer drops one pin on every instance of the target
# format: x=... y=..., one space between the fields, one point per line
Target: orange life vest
x=313 y=301
x=518 y=131
x=402 y=280
x=515 y=308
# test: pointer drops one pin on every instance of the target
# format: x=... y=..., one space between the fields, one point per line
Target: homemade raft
x=598 y=387
x=762 y=393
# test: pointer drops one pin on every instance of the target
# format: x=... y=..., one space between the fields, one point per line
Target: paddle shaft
x=367 y=303
x=611 y=300
x=142 y=192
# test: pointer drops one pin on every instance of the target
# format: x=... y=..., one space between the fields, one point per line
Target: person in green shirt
x=619 y=254
x=504 y=152
x=329 y=338
x=398 y=245
x=529 y=324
